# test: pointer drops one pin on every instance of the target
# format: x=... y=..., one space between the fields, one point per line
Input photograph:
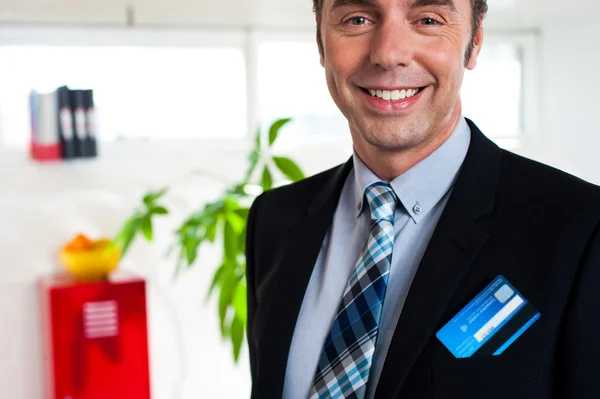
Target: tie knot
x=382 y=201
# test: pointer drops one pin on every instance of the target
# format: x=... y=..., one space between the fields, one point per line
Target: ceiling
x=293 y=14
x=503 y=14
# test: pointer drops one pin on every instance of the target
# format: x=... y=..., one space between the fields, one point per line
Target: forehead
x=454 y=5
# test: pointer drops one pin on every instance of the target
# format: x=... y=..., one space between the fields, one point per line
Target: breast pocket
x=487 y=370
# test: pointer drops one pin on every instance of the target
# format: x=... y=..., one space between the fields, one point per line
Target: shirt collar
x=421 y=187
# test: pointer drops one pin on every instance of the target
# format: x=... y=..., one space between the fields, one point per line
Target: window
x=193 y=85
x=291 y=83
x=150 y=92
x=492 y=93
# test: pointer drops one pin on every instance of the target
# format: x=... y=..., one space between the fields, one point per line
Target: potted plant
x=225 y=218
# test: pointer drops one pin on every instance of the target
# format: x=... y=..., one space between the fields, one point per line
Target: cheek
x=337 y=70
x=445 y=60
x=344 y=55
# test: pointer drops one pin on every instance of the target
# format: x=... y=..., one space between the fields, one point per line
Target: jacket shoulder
x=293 y=198
x=534 y=182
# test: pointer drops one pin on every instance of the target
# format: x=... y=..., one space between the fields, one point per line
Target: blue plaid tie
x=347 y=355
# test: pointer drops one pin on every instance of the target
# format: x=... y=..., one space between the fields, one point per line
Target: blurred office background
x=180 y=86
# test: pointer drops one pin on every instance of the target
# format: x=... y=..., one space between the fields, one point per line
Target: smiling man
x=432 y=264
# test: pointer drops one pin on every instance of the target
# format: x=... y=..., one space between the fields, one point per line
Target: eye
x=357 y=21
x=428 y=21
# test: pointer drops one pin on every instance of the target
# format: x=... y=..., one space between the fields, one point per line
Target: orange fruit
x=80 y=242
x=89 y=260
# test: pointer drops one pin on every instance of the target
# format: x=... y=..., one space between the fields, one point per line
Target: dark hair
x=480 y=8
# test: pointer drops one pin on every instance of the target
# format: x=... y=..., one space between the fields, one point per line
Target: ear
x=477 y=43
x=320 y=43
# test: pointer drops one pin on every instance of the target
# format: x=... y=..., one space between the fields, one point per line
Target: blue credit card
x=490 y=323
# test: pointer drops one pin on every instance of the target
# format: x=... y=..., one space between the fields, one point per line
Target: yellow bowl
x=90 y=264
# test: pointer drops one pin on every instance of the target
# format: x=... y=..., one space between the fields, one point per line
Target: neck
x=388 y=164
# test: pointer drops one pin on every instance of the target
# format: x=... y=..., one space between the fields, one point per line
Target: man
x=355 y=274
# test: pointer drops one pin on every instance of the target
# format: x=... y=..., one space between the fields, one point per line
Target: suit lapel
x=294 y=270
x=452 y=249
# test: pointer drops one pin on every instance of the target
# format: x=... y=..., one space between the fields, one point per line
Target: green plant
x=225 y=219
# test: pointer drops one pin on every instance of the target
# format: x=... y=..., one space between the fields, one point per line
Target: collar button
x=417 y=208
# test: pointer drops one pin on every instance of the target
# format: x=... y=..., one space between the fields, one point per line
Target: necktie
x=347 y=355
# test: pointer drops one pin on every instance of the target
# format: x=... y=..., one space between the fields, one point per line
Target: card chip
x=504 y=293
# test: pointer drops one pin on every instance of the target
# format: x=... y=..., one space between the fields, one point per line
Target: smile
x=393 y=95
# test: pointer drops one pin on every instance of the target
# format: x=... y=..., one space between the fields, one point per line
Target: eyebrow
x=413 y=4
x=342 y=3
x=441 y=3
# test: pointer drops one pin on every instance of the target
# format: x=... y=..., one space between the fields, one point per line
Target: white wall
x=569 y=135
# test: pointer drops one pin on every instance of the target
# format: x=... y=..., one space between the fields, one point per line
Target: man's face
x=395 y=67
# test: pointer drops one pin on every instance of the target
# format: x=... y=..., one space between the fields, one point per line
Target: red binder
x=96 y=338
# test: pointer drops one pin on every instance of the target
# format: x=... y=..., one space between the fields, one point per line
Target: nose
x=392 y=45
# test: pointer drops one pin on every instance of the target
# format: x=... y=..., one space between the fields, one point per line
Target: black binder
x=91 y=148
x=66 y=129
x=79 y=119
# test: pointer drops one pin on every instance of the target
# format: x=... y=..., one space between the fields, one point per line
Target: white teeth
x=393 y=95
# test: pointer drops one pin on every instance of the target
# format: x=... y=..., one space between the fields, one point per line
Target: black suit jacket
x=507 y=215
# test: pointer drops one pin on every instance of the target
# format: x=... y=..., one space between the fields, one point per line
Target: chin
x=398 y=144
x=393 y=138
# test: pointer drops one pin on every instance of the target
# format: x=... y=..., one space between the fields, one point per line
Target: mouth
x=393 y=95
x=392 y=100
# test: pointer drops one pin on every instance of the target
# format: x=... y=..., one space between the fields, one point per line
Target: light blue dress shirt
x=423 y=191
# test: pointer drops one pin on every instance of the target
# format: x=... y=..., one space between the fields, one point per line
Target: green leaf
x=237 y=337
x=242 y=244
x=230 y=204
x=243 y=213
x=274 y=130
x=125 y=237
x=289 y=168
x=159 y=210
x=146 y=226
x=153 y=196
x=211 y=231
x=230 y=282
x=267 y=179
x=215 y=212
x=216 y=280
x=254 y=158
x=236 y=221
x=230 y=242
x=191 y=244
x=238 y=189
x=257 y=138
x=239 y=302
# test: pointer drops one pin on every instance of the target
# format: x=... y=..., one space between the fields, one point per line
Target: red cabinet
x=95 y=338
